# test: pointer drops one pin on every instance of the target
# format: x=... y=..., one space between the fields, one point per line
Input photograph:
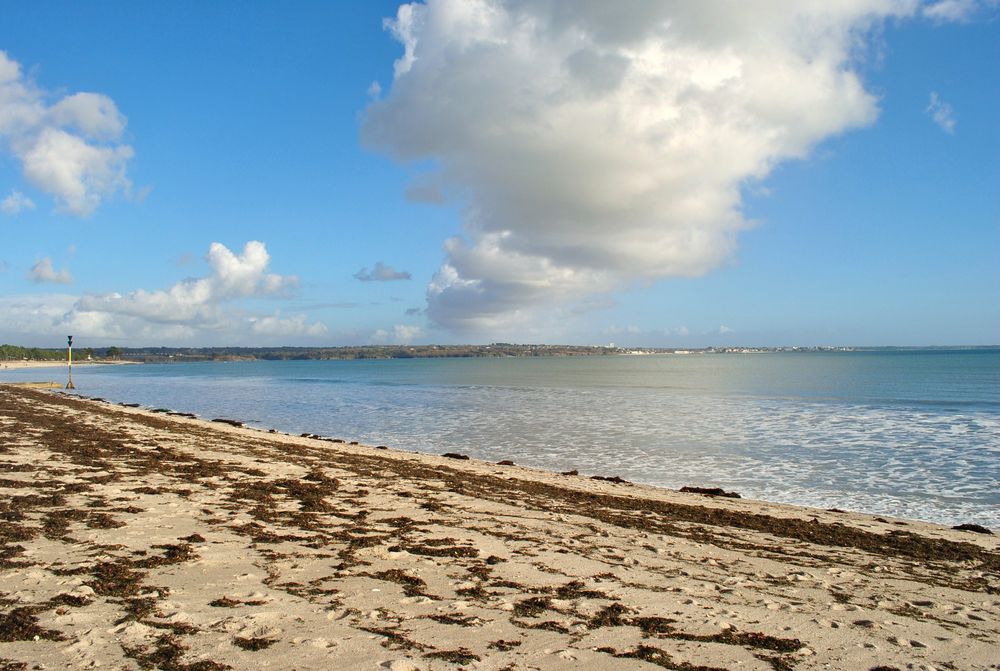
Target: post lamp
x=69 y=360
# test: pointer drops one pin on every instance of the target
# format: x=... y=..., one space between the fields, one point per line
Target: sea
x=904 y=433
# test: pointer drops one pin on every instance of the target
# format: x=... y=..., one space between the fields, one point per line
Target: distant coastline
x=56 y=357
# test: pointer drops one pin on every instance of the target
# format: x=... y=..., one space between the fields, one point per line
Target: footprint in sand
x=401 y=665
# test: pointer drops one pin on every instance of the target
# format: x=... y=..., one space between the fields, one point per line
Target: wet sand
x=133 y=539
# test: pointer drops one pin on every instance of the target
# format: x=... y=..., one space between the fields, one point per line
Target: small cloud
x=413 y=312
x=16 y=202
x=323 y=306
x=950 y=10
x=401 y=334
x=71 y=250
x=184 y=259
x=381 y=273
x=275 y=326
x=723 y=330
x=942 y=113
x=43 y=271
x=140 y=194
x=375 y=90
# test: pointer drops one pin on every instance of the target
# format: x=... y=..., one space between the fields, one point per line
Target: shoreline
x=19 y=365
x=711 y=491
x=332 y=555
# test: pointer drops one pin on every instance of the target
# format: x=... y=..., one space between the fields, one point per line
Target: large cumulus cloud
x=596 y=144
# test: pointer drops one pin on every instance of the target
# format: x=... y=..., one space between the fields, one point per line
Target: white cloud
x=207 y=310
x=199 y=301
x=16 y=202
x=950 y=10
x=274 y=325
x=596 y=144
x=381 y=273
x=33 y=315
x=942 y=113
x=36 y=318
x=43 y=271
x=401 y=334
x=725 y=330
x=660 y=335
x=71 y=149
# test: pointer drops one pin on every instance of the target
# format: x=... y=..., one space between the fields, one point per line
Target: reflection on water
x=914 y=434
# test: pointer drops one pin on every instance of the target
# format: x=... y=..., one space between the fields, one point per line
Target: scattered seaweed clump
x=459 y=656
x=974 y=528
x=532 y=607
x=253 y=643
x=615 y=479
x=412 y=585
x=711 y=491
x=20 y=624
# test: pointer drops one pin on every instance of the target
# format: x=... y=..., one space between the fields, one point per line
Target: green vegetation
x=16 y=353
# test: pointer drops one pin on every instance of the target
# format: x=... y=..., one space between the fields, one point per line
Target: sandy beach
x=134 y=539
x=14 y=364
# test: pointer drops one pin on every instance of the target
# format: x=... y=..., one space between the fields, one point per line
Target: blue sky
x=652 y=175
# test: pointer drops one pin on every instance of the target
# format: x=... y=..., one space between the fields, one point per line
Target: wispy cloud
x=661 y=334
x=16 y=202
x=400 y=334
x=381 y=273
x=43 y=272
x=942 y=113
x=593 y=147
x=951 y=10
x=71 y=149
x=343 y=305
x=274 y=325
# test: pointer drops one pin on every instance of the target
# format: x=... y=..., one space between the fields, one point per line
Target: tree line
x=18 y=353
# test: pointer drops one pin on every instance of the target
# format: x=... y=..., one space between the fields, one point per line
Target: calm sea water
x=908 y=433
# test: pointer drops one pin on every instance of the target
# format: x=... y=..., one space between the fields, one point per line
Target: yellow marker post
x=69 y=359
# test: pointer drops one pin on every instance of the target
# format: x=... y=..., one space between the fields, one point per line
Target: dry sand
x=138 y=540
x=15 y=364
